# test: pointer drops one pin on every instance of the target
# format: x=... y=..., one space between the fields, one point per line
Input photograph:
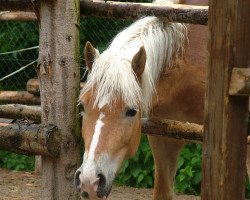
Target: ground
x=25 y=186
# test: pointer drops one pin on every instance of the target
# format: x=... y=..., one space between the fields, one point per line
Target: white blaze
x=98 y=127
x=89 y=166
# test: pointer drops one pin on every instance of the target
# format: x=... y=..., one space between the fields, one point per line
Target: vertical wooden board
x=224 y=147
x=59 y=76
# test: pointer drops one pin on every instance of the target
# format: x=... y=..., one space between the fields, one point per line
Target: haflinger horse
x=152 y=69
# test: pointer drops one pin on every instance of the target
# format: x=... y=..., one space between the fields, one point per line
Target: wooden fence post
x=224 y=150
x=59 y=73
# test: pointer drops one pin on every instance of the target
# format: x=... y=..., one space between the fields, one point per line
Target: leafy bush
x=17 y=162
x=138 y=171
x=188 y=177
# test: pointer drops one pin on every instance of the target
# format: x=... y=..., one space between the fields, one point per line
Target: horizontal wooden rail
x=16 y=5
x=171 y=13
x=174 y=129
x=17 y=111
x=123 y=10
x=17 y=16
x=170 y=128
x=30 y=139
x=20 y=97
x=33 y=86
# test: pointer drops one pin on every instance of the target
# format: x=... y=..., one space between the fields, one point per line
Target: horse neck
x=180 y=90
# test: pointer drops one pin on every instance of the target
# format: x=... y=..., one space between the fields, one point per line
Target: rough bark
x=224 y=146
x=131 y=11
x=30 y=139
x=17 y=111
x=17 y=16
x=59 y=74
x=19 y=97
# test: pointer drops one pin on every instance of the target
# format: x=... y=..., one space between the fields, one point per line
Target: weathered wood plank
x=171 y=13
x=16 y=5
x=33 y=86
x=174 y=129
x=224 y=146
x=17 y=16
x=20 y=97
x=59 y=74
x=240 y=82
x=17 y=111
x=128 y=11
x=30 y=139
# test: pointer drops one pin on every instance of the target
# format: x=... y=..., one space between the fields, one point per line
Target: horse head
x=111 y=126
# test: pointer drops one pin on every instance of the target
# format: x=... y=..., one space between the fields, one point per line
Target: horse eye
x=131 y=112
x=81 y=107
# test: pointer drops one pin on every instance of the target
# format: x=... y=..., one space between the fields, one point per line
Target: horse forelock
x=112 y=75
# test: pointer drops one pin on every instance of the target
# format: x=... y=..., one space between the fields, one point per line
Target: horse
x=151 y=69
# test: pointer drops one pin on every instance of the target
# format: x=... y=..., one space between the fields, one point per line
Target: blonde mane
x=112 y=74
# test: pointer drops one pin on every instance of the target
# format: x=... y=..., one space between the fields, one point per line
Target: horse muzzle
x=92 y=187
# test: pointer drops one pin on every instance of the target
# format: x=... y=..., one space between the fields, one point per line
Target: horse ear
x=139 y=61
x=90 y=54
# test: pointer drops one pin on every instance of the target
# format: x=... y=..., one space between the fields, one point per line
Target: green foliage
x=188 y=175
x=17 y=162
x=15 y=36
x=138 y=171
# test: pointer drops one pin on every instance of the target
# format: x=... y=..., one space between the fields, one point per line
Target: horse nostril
x=102 y=180
x=77 y=179
x=85 y=195
x=101 y=186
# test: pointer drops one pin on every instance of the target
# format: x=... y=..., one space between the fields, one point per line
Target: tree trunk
x=33 y=86
x=59 y=74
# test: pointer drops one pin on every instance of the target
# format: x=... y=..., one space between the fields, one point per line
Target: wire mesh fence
x=21 y=35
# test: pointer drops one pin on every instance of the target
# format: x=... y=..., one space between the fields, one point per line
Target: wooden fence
x=227 y=90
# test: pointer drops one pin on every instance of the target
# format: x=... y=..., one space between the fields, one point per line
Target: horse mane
x=112 y=73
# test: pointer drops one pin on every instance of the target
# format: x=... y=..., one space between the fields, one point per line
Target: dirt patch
x=26 y=186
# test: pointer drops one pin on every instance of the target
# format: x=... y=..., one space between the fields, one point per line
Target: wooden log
x=128 y=11
x=30 y=139
x=131 y=11
x=16 y=5
x=20 y=97
x=174 y=129
x=224 y=146
x=17 y=16
x=240 y=82
x=59 y=74
x=17 y=111
x=33 y=86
